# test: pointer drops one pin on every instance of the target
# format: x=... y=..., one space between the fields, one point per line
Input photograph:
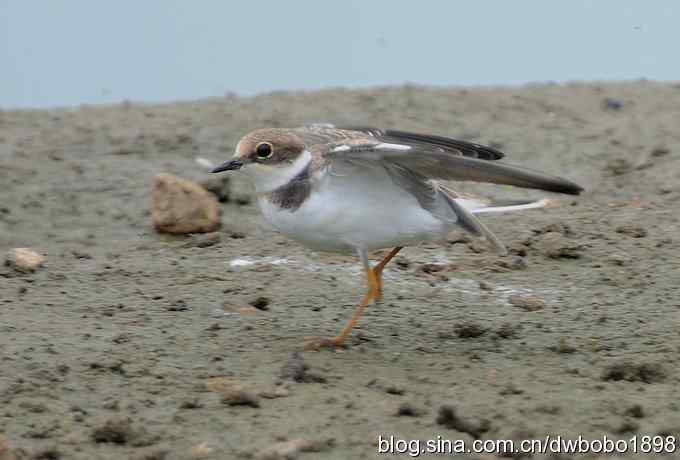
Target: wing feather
x=443 y=144
x=436 y=164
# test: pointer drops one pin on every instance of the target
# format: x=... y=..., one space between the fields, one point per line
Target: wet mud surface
x=131 y=344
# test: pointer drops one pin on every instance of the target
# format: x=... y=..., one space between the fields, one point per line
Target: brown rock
x=527 y=302
x=470 y=330
x=660 y=151
x=555 y=245
x=286 y=450
x=633 y=230
x=278 y=391
x=618 y=167
x=181 y=206
x=233 y=393
x=24 y=260
x=450 y=419
x=635 y=372
x=485 y=286
x=121 y=430
x=202 y=450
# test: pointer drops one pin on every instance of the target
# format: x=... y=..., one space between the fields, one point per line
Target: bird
x=360 y=189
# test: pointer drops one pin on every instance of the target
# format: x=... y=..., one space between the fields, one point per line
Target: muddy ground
x=131 y=344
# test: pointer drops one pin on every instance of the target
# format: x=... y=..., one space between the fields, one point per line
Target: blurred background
x=72 y=52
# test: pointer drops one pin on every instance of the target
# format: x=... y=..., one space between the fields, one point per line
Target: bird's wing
x=437 y=143
x=430 y=161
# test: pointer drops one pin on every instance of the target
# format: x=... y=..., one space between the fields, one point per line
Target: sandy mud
x=131 y=344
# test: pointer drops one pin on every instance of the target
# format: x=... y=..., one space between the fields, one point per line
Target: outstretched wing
x=432 y=159
x=437 y=143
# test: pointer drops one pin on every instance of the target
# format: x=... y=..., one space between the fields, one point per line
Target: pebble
x=609 y=103
x=485 y=286
x=287 y=450
x=527 y=302
x=556 y=246
x=618 y=166
x=632 y=230
x=407 y=409
x=180 y=206
x=24 y=260
x=660 y=151
x=204 y=240
x=121 y=430
x=233 y=393
x=450 y=419
x=635 y=372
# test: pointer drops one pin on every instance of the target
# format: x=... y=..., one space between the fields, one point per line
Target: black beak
x=230 y=165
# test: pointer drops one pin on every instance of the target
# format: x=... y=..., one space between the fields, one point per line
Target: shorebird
x=356 y=189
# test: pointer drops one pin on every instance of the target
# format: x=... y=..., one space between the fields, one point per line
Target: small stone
x=555 y=245
x=511 y=389
x=527 y=302
x=294 y=368
x=204 y=240
x=485 y=286
x=619 y=258
x=632 y=230
x=660 y=151
x=430 y=269
x=618 y=166
x=240 y=309
x=179 y=305
x=180 y=206
x=151 y=454
x=407 y=409
x=635 y=411
x=450 y=419
x=261 y=303
x=24 y=260
x=614 y=105
x=297 y=370
x=564 y=347
x=121 y=430
x=278 y=391
x=201 y=450
x=387 y=387
x=631 y=372
x=470 y=330
x=627 y=426
x=191 y=403
x=233 y=393
x=402 y=262
x=508 y=331
x=288 y=450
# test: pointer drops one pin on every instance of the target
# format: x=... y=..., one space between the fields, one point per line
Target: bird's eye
x=263 y=150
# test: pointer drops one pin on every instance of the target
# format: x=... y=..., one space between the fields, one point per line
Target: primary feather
x=432 y=157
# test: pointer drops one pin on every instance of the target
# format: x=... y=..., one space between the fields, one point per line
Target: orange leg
x=374 y=278
x=378 y=269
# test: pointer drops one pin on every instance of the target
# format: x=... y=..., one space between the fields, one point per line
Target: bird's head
x=271 y=157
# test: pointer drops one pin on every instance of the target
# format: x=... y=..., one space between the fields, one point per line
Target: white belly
x=360 y=209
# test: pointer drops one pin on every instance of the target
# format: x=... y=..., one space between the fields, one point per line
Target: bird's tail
x=506 y=206
x=467 y=206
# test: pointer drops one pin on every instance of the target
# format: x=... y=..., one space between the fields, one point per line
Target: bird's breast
x=363 y=209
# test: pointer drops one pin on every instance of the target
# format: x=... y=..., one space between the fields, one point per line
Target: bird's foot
x=319 y=343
